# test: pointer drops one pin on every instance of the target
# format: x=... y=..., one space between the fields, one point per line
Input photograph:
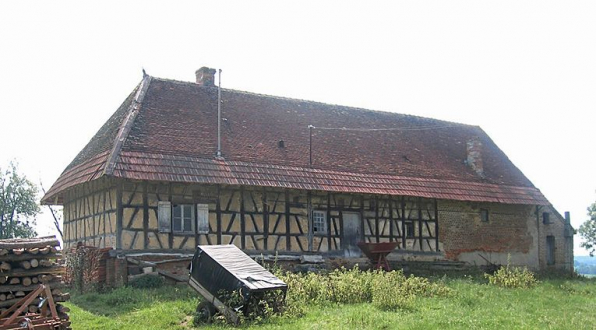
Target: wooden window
x=202 y=218
x=319 y=222
x=545 y=218
x=164 y=216
x=410 y=232
x=484 y=215
x=182 y=217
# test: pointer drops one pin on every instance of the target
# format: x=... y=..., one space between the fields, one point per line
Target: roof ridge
x=285 y=98
x=126 y=126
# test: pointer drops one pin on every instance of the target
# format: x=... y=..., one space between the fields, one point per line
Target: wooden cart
x=217 y=269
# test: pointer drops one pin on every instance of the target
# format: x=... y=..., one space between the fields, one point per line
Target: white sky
x=525 y=71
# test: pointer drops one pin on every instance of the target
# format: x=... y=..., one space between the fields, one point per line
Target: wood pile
x=86 y=267
x=26 y=265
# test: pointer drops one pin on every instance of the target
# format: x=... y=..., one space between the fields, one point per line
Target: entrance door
x=550 y=250
x=351 y=234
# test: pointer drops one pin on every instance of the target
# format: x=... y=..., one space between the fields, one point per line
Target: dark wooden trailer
x=221 y=269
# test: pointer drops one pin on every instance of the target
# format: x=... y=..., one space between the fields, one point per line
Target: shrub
x=512 y=277
x=147 y=282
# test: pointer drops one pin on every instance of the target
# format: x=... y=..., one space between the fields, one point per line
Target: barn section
x=293 y=180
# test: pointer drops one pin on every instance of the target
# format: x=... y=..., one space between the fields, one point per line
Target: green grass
x=552 y=304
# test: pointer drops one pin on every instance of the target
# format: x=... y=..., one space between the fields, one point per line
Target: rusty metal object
x=377 y=253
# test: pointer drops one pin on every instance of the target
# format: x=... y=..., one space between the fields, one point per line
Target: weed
x=147 y=282
x=512 y=277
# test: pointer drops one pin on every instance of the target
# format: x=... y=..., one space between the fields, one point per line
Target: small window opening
x=319 y=222
x=484 y=215
x=546 y=218
x=409 y=229
x=281 y=144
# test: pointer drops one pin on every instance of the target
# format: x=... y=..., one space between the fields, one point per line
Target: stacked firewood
x=26 y=264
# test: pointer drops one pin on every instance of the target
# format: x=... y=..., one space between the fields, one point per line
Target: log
x=18 y=287
x=3 y=252
x=62 y=308
x=18 y=251
x=45 y=250
x=19 y=294
x=10 y=302
x=27 y=256
x=134 y=277
x=2 y=296
x=3 y=279
x=5 y=266
x=34 y=279
x=34 y=263
x=26 y=281
x=9 y=296
x=15 y=280
x=25 y=264
x=56 y=269
x=33 y=250
x=29 y=243
x=33 y=309
x=45 y=263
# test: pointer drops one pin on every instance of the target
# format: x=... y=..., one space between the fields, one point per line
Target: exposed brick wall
x=510 y=230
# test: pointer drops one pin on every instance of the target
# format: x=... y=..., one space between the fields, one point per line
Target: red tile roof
x=173 y=138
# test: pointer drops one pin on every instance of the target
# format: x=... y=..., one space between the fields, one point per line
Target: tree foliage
x=588 y=231
x=18 y=205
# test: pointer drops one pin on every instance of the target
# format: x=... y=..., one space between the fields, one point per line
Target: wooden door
x=351 y=234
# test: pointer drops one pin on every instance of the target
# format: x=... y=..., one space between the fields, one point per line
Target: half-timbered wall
x=89 y=214
x=125 y=215
x=258 y=219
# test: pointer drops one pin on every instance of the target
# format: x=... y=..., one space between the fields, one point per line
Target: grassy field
x=473 y=304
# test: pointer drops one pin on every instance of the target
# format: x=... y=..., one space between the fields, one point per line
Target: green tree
x=18 y=205
x=588 y=231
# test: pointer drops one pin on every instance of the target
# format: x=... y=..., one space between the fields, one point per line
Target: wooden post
x=218 y=213
x=287 y=212
x=265 y=221
x=242 y=220
x=119 y=215
x=436 y=226
x=328 y=221
x=390 y=218
x=377 y=218
x=403 y=222
x=309 y=217
x=420 y=223
x=145 y=216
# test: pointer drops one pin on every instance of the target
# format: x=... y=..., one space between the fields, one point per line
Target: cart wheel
x=205 y=312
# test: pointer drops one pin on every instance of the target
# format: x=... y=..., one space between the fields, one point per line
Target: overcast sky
x=525 y=71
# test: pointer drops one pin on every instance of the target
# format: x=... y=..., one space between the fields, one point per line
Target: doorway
x=351 y=234
x=550 y=250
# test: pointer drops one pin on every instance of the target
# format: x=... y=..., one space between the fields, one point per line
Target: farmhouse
x=297 y=177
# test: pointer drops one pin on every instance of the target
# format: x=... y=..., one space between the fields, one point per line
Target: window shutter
x=203 y=218
x=164 y=216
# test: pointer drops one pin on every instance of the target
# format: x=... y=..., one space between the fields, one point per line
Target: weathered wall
x=269 y=220
x=124 y=215
x=89 y=214
x=510 y=231
x=563 y=237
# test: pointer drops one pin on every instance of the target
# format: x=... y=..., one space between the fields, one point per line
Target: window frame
x=546 y=218
x=484 y=215
x=182 y=218
x=322 y=216
x=410 y=229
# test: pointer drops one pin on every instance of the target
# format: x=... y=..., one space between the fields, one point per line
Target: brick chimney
x=474 y=160
x=205 y=76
